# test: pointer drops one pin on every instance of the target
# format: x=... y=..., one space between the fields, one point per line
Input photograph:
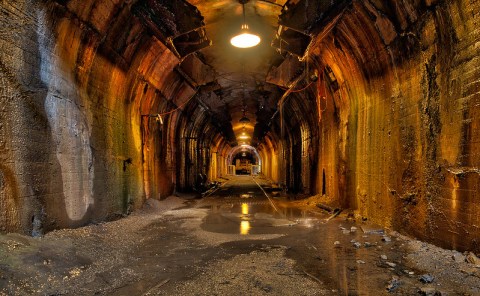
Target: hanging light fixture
x=245 y=38
x=244 y=118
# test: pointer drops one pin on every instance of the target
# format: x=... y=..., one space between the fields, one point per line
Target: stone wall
x=405 y=131
x=76 y=79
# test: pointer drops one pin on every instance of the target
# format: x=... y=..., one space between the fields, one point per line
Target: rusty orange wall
x=403 y=146
x=68 y=135
x=71 y=140
x=269 y=157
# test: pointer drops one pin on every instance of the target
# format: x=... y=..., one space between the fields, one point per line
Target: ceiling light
x=245 y=38
x=244 y=119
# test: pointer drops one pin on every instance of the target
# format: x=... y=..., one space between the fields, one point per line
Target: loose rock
x=469 y=270
x=393 y=284
x=429 y=291
x=458 y=257
x=426 y=278
x=386 y=239
x=472 y=258
x=384 y=257
x=391 y=264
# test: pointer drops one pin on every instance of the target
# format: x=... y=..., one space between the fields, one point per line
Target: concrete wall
x=400 y=138
x=75 y=81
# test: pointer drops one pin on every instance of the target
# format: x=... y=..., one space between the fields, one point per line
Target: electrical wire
x=178 y=107
x=298 y=90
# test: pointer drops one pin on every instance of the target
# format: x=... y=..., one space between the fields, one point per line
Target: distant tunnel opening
x=243 y=162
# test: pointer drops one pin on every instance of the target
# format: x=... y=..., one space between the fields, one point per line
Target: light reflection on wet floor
x=243 y=208
x=310 y=239
x=256 y=217
x=149 y=253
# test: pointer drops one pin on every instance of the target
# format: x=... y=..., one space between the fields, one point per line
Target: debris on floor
x=472 y=258
x=426 y=278
x=393 y=284
x=225 y=243
x=372 y=229
x=429 y=291
x=386 y=239
x=391 y=264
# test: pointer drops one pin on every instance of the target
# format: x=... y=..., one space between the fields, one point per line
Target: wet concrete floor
x=237 y=241
x=323 y=250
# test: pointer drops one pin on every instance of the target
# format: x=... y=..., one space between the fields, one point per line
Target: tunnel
x=371 y=107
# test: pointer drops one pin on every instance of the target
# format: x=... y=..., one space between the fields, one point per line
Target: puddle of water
x=248 y=218
x=245 y=227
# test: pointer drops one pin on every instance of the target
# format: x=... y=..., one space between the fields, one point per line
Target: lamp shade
x=244 y=119
x=245 y=39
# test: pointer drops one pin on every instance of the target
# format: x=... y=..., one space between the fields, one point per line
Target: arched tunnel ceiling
x=239 y=84
x=234 y=82
x=229 y=82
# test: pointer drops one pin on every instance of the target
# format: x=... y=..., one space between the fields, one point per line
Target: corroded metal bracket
x=189 y=42
x=301 y=20
x=292 y=41
x=178 y=24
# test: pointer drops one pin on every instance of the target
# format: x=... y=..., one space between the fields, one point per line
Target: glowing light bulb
x=245 y=39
